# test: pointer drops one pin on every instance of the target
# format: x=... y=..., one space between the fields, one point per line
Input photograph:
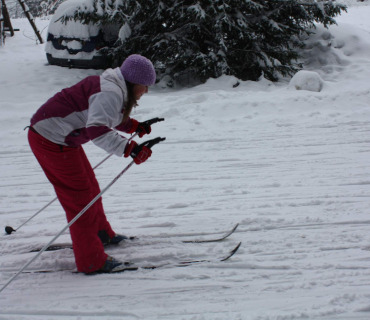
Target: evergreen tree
x=104 y=12
x=48 y=7
x=37 y=8
x=208 y=38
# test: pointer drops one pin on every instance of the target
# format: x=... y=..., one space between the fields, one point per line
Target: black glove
x=143 y=128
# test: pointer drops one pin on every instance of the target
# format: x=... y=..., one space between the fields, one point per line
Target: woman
x=92 y=109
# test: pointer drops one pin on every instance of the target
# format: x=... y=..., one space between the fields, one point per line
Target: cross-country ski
x=131 y=267
x=61 y=246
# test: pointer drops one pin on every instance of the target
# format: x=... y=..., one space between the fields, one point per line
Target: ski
x=61 y=246
x=130 y=267
x=176 y=264
x=214 y=240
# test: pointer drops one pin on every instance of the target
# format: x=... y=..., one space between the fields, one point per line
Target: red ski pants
x=75 y=184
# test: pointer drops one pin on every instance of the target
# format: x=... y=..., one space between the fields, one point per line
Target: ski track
x=297 y=181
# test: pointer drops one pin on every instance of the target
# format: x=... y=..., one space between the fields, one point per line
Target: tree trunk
x=7 y=25
x=30 y=19
x=1 y=25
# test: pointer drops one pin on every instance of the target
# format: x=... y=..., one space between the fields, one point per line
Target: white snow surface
x=291 y=166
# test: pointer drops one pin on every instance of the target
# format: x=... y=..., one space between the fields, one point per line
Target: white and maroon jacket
x=87 y=111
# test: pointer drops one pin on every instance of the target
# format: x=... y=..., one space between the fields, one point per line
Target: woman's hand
x=141 y=128
x=139 y=153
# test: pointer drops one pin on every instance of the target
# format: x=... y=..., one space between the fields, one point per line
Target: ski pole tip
x=9 y=230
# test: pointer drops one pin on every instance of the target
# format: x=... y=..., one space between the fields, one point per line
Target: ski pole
x=9 y=229
x=149 y=144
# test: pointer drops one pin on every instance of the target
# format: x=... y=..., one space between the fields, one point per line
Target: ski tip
x=232 y=252
x=237 y=247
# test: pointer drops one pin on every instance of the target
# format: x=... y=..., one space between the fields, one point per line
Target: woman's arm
x=105 y=113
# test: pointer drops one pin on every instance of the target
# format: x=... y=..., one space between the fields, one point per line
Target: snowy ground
x=292 y=167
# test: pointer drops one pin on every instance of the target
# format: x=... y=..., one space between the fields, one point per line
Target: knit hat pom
x=138 y=70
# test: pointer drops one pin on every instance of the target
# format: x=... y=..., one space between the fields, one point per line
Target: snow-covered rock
x=307 y=80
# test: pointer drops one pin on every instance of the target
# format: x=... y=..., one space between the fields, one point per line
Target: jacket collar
x=115 y=76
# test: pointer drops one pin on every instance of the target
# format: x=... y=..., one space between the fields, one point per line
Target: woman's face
x=139 y=90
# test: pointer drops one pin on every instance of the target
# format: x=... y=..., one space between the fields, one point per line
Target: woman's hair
x=131 y=103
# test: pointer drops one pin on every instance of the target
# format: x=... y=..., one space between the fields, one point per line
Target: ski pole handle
x=150 y=143
x=154 y=120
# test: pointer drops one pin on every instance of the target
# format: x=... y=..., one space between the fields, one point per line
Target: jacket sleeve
x=105 y=113
x=125 y=126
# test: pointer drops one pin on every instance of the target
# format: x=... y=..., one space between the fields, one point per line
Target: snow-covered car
x=76 y=45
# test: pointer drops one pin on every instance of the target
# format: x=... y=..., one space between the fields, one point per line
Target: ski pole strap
x=150 y=143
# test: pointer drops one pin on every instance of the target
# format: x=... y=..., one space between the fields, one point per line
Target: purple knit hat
x=138 y=70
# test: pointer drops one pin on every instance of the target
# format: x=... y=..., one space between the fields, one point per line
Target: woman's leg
x=67 y=172
x=102 y=219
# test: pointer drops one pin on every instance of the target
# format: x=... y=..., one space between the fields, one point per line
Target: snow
x=124 y=32
x=75 y=29
x=291 y=166
x=74 y=44
x=307 y=80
